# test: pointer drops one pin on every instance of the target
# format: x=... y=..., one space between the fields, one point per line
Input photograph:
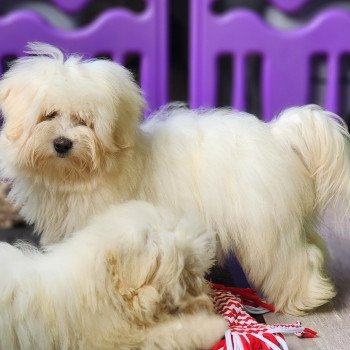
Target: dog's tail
x=321 y=140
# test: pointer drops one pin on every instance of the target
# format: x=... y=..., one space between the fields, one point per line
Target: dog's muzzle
x=62 y=145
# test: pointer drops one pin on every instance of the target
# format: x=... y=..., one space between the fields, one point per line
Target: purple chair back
x=117 y=33
x=286 y=56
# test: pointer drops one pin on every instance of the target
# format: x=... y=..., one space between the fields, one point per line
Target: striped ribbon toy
x=244 y=332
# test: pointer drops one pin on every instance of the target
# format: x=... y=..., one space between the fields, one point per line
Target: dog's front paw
x=212 y=329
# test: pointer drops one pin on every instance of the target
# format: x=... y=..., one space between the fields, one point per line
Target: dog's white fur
x=132 y=279
x=261 y=187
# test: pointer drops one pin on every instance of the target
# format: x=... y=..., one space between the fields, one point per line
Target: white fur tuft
x=43 y=49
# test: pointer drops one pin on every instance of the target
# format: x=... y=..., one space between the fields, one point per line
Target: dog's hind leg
x=289 y=268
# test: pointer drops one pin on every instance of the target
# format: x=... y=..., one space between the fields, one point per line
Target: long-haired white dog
x=132 y=279
x=72 y=144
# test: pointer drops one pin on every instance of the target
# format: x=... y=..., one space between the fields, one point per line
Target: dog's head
x=66 y=117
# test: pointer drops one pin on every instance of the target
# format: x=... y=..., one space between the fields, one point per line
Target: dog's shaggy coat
x=260 y=186
x=132 y=279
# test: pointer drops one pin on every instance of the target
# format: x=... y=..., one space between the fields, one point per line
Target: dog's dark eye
x=82 y=122
x=51 y=115
x=78 y=120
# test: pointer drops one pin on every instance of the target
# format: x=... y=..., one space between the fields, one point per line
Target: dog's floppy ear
x=8 y=104
x=133 y=287
x=127 y=100
x=4 y=93
x=130 y=107
x=14 y=131
x=129 y=274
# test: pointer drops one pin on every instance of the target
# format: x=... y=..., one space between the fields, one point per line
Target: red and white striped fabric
x=244 y=332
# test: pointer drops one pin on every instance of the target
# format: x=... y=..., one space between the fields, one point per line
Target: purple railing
x=286 y=56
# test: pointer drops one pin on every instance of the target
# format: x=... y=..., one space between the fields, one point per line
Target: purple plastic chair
x=286 y=56
x=117 y=32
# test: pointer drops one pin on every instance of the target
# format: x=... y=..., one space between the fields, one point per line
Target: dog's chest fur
x=58 y=213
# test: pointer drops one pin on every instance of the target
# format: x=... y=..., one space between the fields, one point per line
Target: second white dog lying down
x=133 y=279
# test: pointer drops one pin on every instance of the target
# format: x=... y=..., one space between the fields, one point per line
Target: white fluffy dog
x=72 y=144
x=132 y=279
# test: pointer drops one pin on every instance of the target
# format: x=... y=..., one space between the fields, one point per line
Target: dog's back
x=251 y=182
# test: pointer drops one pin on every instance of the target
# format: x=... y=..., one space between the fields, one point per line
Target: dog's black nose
x=62 y=145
